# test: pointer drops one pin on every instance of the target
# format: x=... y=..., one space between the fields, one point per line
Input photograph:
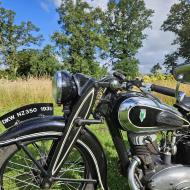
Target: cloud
x=98 y=3
x=57 y=3
x=44 y=5
x=158 y=43
x=94 y=3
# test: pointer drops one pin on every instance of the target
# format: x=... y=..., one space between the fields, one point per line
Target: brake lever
x=146 y=88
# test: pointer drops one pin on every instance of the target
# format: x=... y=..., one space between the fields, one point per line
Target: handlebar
x=160 y=89
x=163 y=90
x=114 y=83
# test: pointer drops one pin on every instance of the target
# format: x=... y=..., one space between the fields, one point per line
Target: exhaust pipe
x=131 y=173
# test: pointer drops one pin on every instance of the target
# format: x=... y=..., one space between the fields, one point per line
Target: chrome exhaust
x=131 y=173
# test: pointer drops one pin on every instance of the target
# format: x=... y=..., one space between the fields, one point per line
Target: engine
x=164 y=163
x=160 y=149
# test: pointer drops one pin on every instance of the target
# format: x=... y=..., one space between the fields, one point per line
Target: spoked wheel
x=19 y=171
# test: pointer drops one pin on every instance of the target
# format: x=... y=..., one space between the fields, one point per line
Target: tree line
x=90 y=40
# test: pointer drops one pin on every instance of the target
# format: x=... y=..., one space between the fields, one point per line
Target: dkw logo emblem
x=142 y=115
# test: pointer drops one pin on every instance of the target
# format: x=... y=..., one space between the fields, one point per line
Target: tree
x=81 y=37
x=156 y=69
x=37 y=62
x=125 y=22
x=14 y=37
x=178 y=22
x=171 y=61
x=128 y=66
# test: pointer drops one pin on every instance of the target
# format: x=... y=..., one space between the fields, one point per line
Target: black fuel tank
x=142 y=114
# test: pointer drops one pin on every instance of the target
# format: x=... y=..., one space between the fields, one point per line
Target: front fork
x=60 y=150
x=119 y=144
x=128 y=167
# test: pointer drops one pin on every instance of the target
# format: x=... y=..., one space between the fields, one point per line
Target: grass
x=17 y=93
x=22 y=92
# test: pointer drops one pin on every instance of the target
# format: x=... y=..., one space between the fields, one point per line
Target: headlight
x=63 y=86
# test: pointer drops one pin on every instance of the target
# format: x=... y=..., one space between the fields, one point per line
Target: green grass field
x=17 y=93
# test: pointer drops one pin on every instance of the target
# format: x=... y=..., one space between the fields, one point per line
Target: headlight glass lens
x=63 y=86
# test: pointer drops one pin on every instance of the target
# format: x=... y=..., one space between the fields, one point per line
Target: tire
x=17 y=171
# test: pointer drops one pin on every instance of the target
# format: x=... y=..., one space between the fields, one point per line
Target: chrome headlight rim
x=57 y=87
x=64 y=87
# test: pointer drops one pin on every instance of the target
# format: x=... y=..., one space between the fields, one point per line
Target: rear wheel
x=18 y=171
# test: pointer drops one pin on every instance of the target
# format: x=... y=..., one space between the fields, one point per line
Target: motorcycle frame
x=69 y=133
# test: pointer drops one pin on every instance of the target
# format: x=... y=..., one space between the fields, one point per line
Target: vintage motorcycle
x=42 y=151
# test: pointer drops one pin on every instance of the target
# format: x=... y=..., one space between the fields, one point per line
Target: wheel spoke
x=71 y=167
x=29 y=167
x=80 y=169
x=24 y=186
x=13 y=178
x=24 y=166
x=40 y=152
x=25 y=173
x=72 y=186
x=21 y=172
x=18 y=156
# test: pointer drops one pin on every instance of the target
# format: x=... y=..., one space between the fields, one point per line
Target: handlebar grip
x=163 y=90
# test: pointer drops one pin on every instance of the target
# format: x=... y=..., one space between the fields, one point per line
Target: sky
x=43 y=14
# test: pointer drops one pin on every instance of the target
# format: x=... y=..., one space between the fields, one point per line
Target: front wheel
x=18 y=170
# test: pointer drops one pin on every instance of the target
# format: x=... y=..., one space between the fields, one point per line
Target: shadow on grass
x=115 y=179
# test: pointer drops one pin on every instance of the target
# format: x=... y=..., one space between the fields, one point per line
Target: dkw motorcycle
x=42 y=151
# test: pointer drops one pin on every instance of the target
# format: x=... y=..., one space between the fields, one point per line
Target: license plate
x=26 y=112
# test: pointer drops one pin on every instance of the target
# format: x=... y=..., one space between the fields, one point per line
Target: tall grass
x=21 y=92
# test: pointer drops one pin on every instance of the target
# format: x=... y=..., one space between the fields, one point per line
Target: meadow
x=17 y=93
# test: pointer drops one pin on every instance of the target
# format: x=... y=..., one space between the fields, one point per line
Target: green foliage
x=178 y=22
x=156 y=69
x=37 y=62
x=14 y=37
x=125 y=22
x=128 y=66
x=81 y=36
x=171 y=61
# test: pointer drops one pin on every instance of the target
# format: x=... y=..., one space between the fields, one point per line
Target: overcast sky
x=42 y=13
x=158 y=43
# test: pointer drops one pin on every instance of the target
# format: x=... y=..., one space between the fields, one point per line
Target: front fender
x=32 y=128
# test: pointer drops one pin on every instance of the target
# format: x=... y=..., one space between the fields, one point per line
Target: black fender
x=30 y=129
x=54 y=125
